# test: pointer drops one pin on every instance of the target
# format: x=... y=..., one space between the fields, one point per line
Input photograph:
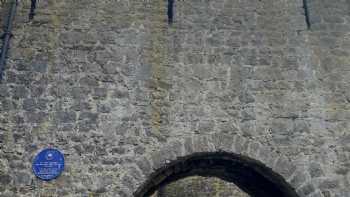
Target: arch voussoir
x=145 y=165
x=241 y=145
x=202 y=144
x=267 y=156
x=299 y=178
x=253 y=149
x=317 y=193
x=177 y=151
x=223 y=142
x=128 y=183
x=284 y=167
x=306 y=189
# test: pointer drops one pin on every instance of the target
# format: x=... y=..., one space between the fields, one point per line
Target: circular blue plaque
x=48 y=164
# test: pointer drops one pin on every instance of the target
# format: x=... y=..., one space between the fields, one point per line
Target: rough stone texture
x=200 y=187
x=110 y=82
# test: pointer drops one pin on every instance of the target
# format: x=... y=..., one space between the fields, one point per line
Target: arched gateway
x=250 y=175
x=256 y=169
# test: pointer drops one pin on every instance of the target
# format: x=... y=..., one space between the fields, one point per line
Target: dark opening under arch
x=250 y=175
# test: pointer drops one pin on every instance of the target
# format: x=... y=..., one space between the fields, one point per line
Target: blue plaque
x=48 y=164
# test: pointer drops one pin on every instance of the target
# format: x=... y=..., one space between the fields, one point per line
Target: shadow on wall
x=249 y=175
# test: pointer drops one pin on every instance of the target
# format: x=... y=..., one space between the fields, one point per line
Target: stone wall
x=109 y=82
x=200 y=187
x=329 y=44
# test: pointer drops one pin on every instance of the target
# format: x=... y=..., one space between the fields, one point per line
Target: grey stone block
x=305 y=190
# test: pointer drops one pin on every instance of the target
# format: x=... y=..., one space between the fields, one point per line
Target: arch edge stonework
x=177 y=149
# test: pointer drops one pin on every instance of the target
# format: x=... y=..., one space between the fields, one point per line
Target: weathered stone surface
x=223 y=142
x=241 y=145
x=284 y=167
x=298 y=179
x=315 y=170
x=5 y=179
x=111 y=82
x=144 y=165
x=305 y=190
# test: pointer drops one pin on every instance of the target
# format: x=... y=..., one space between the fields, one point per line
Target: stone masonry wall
x=108 y=82
x=200 y=187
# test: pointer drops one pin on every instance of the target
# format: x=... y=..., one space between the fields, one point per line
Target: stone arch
x=210 y=155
